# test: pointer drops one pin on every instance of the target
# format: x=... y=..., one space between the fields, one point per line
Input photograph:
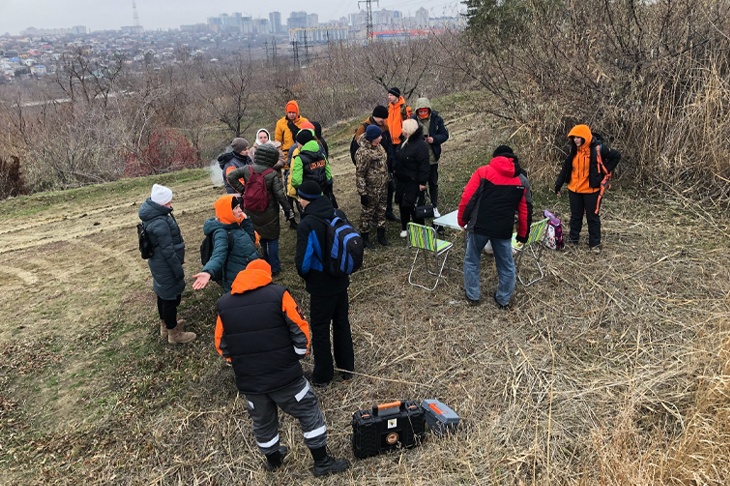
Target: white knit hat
x=161 y=194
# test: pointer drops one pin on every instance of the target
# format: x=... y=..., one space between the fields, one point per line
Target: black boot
x=381 y=237
x=325 y=464
x=366 y=240
x=390 y=216
x=275 y=459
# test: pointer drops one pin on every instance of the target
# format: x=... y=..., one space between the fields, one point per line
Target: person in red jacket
x=487 y=209
x=263 y=335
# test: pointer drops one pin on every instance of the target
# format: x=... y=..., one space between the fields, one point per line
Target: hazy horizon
x=18 y=15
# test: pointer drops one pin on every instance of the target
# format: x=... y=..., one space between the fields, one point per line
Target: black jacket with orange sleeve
x=261 y=332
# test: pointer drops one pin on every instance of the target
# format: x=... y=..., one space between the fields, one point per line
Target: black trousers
x=324 y=310
x=581 y=204
x=433 y=184
x=167 y=309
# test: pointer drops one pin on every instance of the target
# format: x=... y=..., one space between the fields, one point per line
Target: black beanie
x=395 y=92
x=317 y=129
x=235 y=201
x=304 y=136
x=380 y=112
x=309 y=190
x=503 y=150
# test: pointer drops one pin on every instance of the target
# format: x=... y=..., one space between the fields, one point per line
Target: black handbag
x=425 y=211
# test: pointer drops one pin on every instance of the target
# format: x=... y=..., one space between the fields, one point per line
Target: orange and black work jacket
x=261 y=332
x=490 y=200
x=581 y=170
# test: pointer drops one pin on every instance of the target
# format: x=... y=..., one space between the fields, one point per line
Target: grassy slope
x=611 y=369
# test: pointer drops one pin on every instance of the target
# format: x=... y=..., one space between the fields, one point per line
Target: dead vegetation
x=612 y=370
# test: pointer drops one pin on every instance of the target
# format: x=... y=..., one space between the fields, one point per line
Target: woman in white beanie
x=166 y=262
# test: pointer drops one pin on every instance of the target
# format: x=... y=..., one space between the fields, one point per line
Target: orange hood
x=292 y=106
x=256 y=274
x=224 y=212
x=583 y=132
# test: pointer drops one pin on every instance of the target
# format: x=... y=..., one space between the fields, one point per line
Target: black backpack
x=206 y=251
x=145 y=245
x=344 y=247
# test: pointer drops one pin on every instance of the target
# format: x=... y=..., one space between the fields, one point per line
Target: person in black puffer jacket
x=411 y=173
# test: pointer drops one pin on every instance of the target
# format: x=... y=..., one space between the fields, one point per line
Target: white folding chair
x=435 y=252
x=538 y=232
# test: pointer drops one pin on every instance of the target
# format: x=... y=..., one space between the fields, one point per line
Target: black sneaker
x=330 y=465
x=318 y=384
x=345 y=376
x=275 y=459
x=471 y=301
x=501 y=306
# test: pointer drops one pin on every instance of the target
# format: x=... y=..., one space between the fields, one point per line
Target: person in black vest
x=329 y=302
x=262 y=334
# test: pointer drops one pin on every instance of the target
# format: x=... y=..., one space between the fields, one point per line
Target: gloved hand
x=364 y=200
x=522 y=239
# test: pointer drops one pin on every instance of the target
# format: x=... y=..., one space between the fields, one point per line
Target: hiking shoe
x=501 y=306
x=471 y=301
x=329 y=465
x=390 y=216
x=436 y=213
x=163 y=327
x=440 y=230
x=403 y=234
x=275 y=459
x=596 y=249
x=315 y=383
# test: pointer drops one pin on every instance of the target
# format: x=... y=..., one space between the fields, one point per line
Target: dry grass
x=612 y=370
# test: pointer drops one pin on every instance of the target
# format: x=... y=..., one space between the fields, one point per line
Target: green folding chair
x=533 y=249
x=424 y=240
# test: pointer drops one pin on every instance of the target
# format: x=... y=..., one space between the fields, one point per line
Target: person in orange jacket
x=285 y=132
x=587 y=170
x=261 y=332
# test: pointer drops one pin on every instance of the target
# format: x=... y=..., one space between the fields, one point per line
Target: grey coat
x=168 y=250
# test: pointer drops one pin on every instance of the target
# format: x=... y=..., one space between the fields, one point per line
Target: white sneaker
x=403 y=234
x=436 y=213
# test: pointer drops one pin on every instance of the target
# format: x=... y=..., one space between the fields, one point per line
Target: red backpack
x=256 y=197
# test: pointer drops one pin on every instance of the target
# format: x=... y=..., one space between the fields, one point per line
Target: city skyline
x=18 y=15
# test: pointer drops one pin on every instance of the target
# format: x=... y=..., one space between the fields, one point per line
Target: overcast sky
x=17 y=15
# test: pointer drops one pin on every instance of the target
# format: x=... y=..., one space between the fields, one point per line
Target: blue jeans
x=503 y=260
x=270 y=251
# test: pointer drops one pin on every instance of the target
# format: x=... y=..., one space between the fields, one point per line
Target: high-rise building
x=297 y=20
x=275 y=20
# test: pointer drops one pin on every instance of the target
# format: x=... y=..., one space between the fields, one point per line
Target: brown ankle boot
x=177 y=336
x=163 y=327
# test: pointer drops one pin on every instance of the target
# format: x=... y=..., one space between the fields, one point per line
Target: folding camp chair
x=435 y=252
x=538 y=232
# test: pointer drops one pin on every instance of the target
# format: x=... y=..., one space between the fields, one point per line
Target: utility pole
x=306 y=48
x=369 y=17
x=295 y=49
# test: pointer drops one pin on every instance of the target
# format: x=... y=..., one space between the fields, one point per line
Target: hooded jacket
x=282 y=132
x=580 y=169
x=265 y=222
x=166 y=263
x=261 y=332
x=311 y=241
x=311 y=164
x=490 y=199
x=433 y=127
x=244 y=247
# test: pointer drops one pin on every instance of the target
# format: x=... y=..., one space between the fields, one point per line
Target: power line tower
x=368 y=17
x=136 y=15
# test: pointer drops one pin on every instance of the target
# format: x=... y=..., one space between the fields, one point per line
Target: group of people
x=259 y=329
